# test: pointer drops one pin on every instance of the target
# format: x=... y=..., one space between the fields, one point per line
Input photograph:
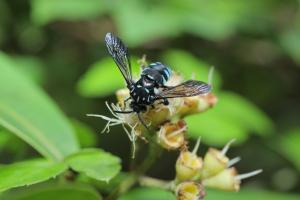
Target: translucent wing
x=120 y=54
x=185 y=89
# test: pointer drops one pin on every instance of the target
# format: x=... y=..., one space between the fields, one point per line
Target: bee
x=151 y=85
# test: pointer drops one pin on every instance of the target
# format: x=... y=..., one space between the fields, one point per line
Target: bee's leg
x=124 y=103
x=165 y=102
x=142 y=121
x=127 y=99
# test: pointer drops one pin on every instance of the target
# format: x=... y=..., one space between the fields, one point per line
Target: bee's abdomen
x=161 y=73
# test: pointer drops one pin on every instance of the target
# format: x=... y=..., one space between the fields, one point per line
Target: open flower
x=172 y=135
x=190 y=190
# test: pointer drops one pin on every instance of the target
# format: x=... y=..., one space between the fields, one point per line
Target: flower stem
x=153 y=153
x=153 y=182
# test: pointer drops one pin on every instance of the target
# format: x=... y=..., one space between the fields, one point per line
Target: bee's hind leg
x=165 y=102
x=143 y=121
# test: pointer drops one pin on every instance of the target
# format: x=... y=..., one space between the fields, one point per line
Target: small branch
x=153 y=182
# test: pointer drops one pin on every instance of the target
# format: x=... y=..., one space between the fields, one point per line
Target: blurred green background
x=253 y=45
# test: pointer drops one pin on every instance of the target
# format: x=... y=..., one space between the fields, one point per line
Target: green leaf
x=148 y=194
x=95 y=163
x=32 y=67
x=28 y=173
x=106 y=187
x=290 y=41
x=65 y=192
x=188 y=65
x=29 y=113
x=232 y=117
x=249 y=195
x=103 y=78
x=44 y=11
x=289 y=145
x=86 y=136
x=213 y=20
x=145 y=15
x=216 y=20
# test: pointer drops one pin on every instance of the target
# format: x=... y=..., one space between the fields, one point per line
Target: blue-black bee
x=151 y=85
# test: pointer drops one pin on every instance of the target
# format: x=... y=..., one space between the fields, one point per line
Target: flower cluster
x=169 y=130
x=214 y=170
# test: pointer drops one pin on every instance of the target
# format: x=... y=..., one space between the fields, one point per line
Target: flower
x=228 y=179
x=215 y=161
x=172 y=135
x=188 y=164
x=214 y=171
x=190 y=190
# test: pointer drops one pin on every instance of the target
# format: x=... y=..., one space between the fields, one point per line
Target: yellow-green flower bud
x=196 y=104
x=214 y=162
x=188 y=166
x=190 y=190
x=226 y=180
x=122 y=95
x=157 y=115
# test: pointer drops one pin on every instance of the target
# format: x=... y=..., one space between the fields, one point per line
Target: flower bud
x=187 y=166
x=171 y=135
x=225 y=180
x=122 y=95
x=214 y=162
x=190 y=190
x=196 y=104
x=157 y=115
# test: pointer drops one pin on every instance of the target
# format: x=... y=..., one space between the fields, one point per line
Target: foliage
x=60 y=192
x=28 y=173
x=95 y=164
x=288 y=145
x=37 y=120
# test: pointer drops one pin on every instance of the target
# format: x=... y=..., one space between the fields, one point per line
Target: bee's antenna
x=123 y=111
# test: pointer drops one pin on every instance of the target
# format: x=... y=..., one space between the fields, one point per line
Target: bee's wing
x=120 y=54
x=185 y=89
